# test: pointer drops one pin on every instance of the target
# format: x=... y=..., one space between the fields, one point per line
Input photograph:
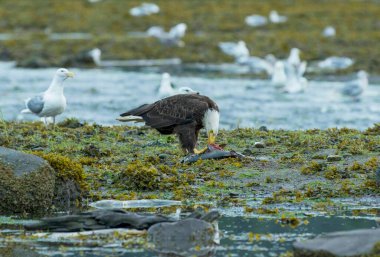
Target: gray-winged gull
x=236 y=50
x=171 y=38
x=279 y=77
x=356 y=87
x=52 y=102
x=335 y=63
x=144 y=9
x=294 y=57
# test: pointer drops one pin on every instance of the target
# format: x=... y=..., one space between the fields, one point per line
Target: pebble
x=259 y=145
x=334 y=158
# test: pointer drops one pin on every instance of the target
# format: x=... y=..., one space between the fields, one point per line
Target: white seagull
x=274 y=17
x=52 y=102
x=166 y=88
x=237 y=50
x=335 y=63
x=256 y=20
x=171 y=38
x=144 y=9
x=279 y=77
x=329 y=31
x=294 y=57
x=356 y=87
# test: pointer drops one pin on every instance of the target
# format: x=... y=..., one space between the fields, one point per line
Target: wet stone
x=359 y=242
x=263 y=128
x=334 y=158
x=259 y=145
x=26 y=183
x=163 y=156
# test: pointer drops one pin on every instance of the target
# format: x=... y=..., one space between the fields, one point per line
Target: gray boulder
x=26 y=183
x=352 y=243
x=188 y=237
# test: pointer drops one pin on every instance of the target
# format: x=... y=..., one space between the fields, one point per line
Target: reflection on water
x=99 y=96
x=240 y=236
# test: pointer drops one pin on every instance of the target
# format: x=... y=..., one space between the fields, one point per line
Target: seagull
x=95 y=54
x=294 y=57
x=237 y=50
x=295 y=81
x=274 y=17
x=171 y=38
x=256 y=20
x=52 y=102
x=144 y=9
x=329 y=31
x=168 y=89
x=279 y=77
x=335 y=63
x=356 y=87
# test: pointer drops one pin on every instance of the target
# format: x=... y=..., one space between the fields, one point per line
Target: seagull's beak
x=211 y=137
x=70 y=74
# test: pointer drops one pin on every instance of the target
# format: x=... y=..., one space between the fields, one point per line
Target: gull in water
x=167 y=88
x=279 y=77
x=329 y=31
x=237 y=50
x=256 y=20
x=52 y=102
x=295 y=81
x=274 y=17
x=335 y=63
x=294 y=57
x=144 y=9
x=356 y=87
x=171 y=38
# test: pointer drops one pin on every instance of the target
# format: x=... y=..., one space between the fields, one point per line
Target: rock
x=263 y=128
x=259 y=145
x=347 y=243
x=377 y=177
x=188 y=237
x=26 y=183
x=334 y=158
x=163 y=156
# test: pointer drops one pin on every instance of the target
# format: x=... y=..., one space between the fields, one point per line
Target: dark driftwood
x=106 y=219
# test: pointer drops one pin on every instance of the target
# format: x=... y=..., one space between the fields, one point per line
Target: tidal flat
x=109 y=26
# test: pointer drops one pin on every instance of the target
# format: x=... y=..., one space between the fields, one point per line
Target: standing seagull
x=167 y=88
x=183 y=115
x=52 y=102
x=356 y=87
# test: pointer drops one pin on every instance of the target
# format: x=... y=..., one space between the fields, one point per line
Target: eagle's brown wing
x=174 y=110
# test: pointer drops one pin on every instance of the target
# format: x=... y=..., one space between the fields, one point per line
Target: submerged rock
x=334 y=158
x=26 y=183
x=348 y=243
x=192 y=236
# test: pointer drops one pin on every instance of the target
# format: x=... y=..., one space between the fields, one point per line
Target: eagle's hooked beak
x=70 y=74
x=211 y=137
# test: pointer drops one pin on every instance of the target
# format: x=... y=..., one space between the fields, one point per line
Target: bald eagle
x=183 y=115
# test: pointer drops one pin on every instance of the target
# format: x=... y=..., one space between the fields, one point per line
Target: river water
x=100 y=95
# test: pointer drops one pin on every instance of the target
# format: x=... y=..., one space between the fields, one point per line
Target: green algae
x=209 y=22
x=122 y=162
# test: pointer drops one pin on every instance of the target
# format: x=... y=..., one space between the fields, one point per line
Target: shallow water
x=100 y=95
x=240 y=236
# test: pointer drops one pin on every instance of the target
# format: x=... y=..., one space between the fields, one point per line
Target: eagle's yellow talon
x=200 y=151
